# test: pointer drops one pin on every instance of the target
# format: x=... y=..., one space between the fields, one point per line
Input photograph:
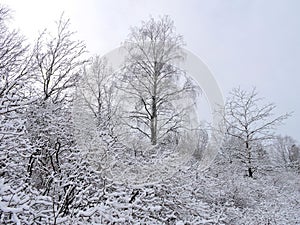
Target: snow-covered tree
x=96 y=93
x=59 y=59
x=252 y=123
x=153 y=85
x=15 y=67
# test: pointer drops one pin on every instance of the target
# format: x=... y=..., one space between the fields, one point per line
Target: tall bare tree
x=250 y=122
x=152 y=82
x=97 y=91
x=59 y=60
x=15 y=66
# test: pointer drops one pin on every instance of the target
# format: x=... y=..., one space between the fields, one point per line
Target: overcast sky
x=245 y=43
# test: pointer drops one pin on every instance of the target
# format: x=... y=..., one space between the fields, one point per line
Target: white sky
x=245 y=43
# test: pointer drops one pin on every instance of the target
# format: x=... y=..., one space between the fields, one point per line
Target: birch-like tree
x=250 y=122
x=151 y=82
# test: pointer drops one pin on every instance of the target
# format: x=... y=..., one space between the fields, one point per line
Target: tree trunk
x=250 y=172
x=248 y=149
x=154 y=122
x=154 y=108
